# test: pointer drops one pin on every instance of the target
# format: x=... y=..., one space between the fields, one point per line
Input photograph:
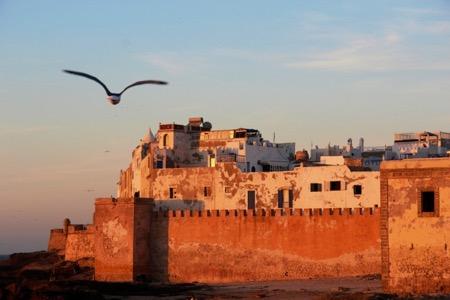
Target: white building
x=197 y=145
x=421 y=144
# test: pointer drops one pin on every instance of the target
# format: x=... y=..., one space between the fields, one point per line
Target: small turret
x=66 y=224
x=148 y=137
x=349 y=145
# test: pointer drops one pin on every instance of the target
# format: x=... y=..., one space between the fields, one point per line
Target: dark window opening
x=136 y=195
x=316 y=187
x=335 y=186
x=280 y=199
x=253 y=169
x=251 y=199
x=159 y=164
x=239 y=134
x=172 y=193
x=357 y=190
x=165 y=140
x=206 y=191
x=427 y=202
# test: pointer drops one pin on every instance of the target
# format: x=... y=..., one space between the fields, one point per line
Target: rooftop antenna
x=273 y=137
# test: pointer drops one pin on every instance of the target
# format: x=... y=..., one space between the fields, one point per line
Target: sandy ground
x=43 y=275
x=342 y=288
x=368 y=287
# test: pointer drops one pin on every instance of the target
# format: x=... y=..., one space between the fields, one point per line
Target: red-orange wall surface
x=240 y=245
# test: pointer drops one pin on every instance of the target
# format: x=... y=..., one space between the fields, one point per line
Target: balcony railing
x=231 y=157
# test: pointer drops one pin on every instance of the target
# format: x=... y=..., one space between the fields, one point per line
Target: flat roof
x=416 y=163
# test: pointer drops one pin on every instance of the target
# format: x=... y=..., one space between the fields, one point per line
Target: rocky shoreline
x=45 y=275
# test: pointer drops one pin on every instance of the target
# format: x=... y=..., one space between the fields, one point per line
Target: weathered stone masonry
x=228 y=187
x=122 y=239
x=415 y=241
x=133 y=242
x=246 y=245
x=74 y=241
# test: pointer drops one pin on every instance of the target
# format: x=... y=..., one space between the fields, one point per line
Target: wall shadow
x=178 y=204
x=159 y=247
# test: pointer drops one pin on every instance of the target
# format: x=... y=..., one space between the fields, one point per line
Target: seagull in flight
x=114 y=98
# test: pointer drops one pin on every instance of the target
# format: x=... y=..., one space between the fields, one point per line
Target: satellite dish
x=207 y=126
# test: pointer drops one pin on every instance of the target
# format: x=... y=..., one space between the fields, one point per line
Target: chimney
x=196 y=121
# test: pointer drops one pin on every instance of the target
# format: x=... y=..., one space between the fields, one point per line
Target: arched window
x=165 y=140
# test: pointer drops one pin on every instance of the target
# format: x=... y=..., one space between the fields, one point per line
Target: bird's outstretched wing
x=90 y=77
x=143 y=82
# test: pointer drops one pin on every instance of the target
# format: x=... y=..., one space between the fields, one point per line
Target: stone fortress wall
x=245 y=245
x=74 y=241
x=415 y=225
x=131 y=242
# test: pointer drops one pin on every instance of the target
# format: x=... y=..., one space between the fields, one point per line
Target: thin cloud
x=173 y=63
x=392 y=38
x=418 y=11
x=436 y=27
x=360 y=54
x=373 y=54
x=250 y=55
x=167 y=63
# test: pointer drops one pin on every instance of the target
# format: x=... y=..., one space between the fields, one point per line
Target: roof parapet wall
x=298 y=212
x=416 y=163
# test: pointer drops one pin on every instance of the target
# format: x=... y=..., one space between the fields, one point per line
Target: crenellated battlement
x=304 y=243
x=130 y=238
x=298 y=212
x=80 y=228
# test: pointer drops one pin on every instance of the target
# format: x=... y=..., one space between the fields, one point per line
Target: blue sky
x=311 y=71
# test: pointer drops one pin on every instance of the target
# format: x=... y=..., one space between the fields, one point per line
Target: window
x=207 y=191
x=251 y=199
x=172 y=193
x=159 y=164
x=316 y=187
x=357 y=190
x=165 y=140
x=227 y=189
x=428 y=204
x=427 y=201
x=285 y=198
x=335 y=185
